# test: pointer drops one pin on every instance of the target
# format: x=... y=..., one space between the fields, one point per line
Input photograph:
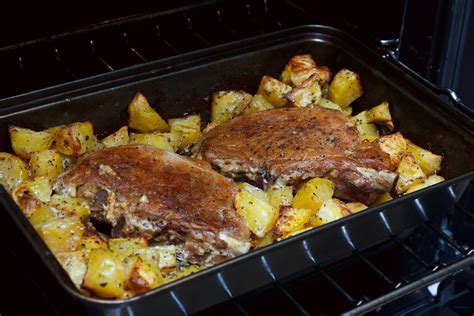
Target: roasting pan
x=184 y=85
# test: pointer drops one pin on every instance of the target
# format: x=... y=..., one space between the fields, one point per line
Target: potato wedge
x=345 y=88
x=75 y=139
x=355 y=207
x=164 y=141
x=366 y=130
x=307 y=93
x=292 y=219
x=42 y=215
x=395 y=145
x=13 y=171
x=313 y=194
x=62 y=234
x=189 y=127
x=75 y=264
x=119 y=138
x=429 y=162
x=298 y=69
x=164 y=256
x=347 y=111
x=259 y=214
x=380 y=114
x=274 y=91
x=244 y=186
x=266 y=240
x=280 y=196
x=409 y=173
x=431 y=180
x=46 y=163
x=91 y=239
x=105 y=276
x=124 y=247
x=143 y=118
x=39 y=187
x=143 y=274
x=25 y=141
x=228 y=104
x=258 y=104
x=325 y=103
x=331 y=210
x=72 y=207
x=385 y=197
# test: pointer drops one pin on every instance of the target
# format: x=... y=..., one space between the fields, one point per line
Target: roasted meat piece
x=290 y=145
x=162 y=196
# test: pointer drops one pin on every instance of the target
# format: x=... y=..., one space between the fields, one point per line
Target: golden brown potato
x=292 y=219
x=331 y=210
x=431 y=180
x=164 y=256
x=395 y=145
x=46 y=163
x=75 y=264
x=345 y=88
x=280 y=196
x=260 y=215
x=385 y=197
x=143 y=118
x=266 y=240
x=124 y=247
x=13 y=171
x=366 y=130
x=72 y=207
x=143 y=274
x=355 y=207
x=298 y=69
x=274 y=91
x=189 y=127
x=75 y=139
x=409 y=173
x=62 y=234
x=105 y=276
x=91 y=239
x=258 y=104
x=164 y=141
x=228 y=104
x=313 y=194
x=380 y=114
x=42 y=215
x=25 y=141
x=119 y=138
x=429 y=162
x=307 y=93
x=39 y=188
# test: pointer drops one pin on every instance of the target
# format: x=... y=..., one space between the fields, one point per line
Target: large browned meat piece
x=290 y=145
x=143 y=191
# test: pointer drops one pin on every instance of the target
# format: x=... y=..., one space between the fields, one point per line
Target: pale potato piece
x=228 y=104
x=39 y=188
x=42 y=215
x=258 y=104
x=72 y=207
x=298 y=69
x=164 y=256
x=307 y=93
x=347 y=111
x=395 y=145
x=183 y=272
x=325 y=103
x=355 y=207
x=429 y=162
x=75 y=264
x=313 y=194
x=142 y=274
x=75 y=139
x=46 y=163
x=385 y=197
x=431 y=180
x=189 y=127
x=262 y=195
x=266 y=240
x=296 y=232
x=366 y=130
x=409 y=173
x=13 y=171
x=124 y=247
x=25 y=141
x=61 y=235
x=274 y=91
x=143 y=118
x=345 y=88
x=331 y=210
x=119 y=138
x=259 y=214
x=164 y=141
x=380 y=114
x=280 y=196
x=292 y=219
x=105 y=276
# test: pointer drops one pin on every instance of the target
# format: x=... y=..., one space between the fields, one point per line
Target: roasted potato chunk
x=124 y=247
x=345 y=88
x=309 y=92
x=259 y=214
x=266 y=240
x=394 y=145
x=409 y=173
x=143 y=118
x=92 y=240
x=258 y=104
x=75 y=139
x=331 y=210
x=119 y=138
x=143 y=274
x=298 y=69
x=280 y=196
x=430 y=163
x=189 y=127
x=380 y=114
x=13 y=171
x=228 y=104
x=39 y=188
x=431 y=180
x=366 y=130
x=313 y=194
x=46 y=163
x=355 y=207
x=75 y=264
x=164 y=256
x=70 y=206
x=42 y=215
x=62 y=234
x=274 y=91
x=325 y=103
x=385 y=197
x=292 y=219
x=105 y=276
x=25 y=141
x=164 y=141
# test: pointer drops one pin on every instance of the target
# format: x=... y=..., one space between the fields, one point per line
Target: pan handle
x=392 y=55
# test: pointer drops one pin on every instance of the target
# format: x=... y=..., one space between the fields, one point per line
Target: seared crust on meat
x=290 y=145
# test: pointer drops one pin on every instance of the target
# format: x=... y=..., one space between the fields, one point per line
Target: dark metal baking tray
x=185 y=86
